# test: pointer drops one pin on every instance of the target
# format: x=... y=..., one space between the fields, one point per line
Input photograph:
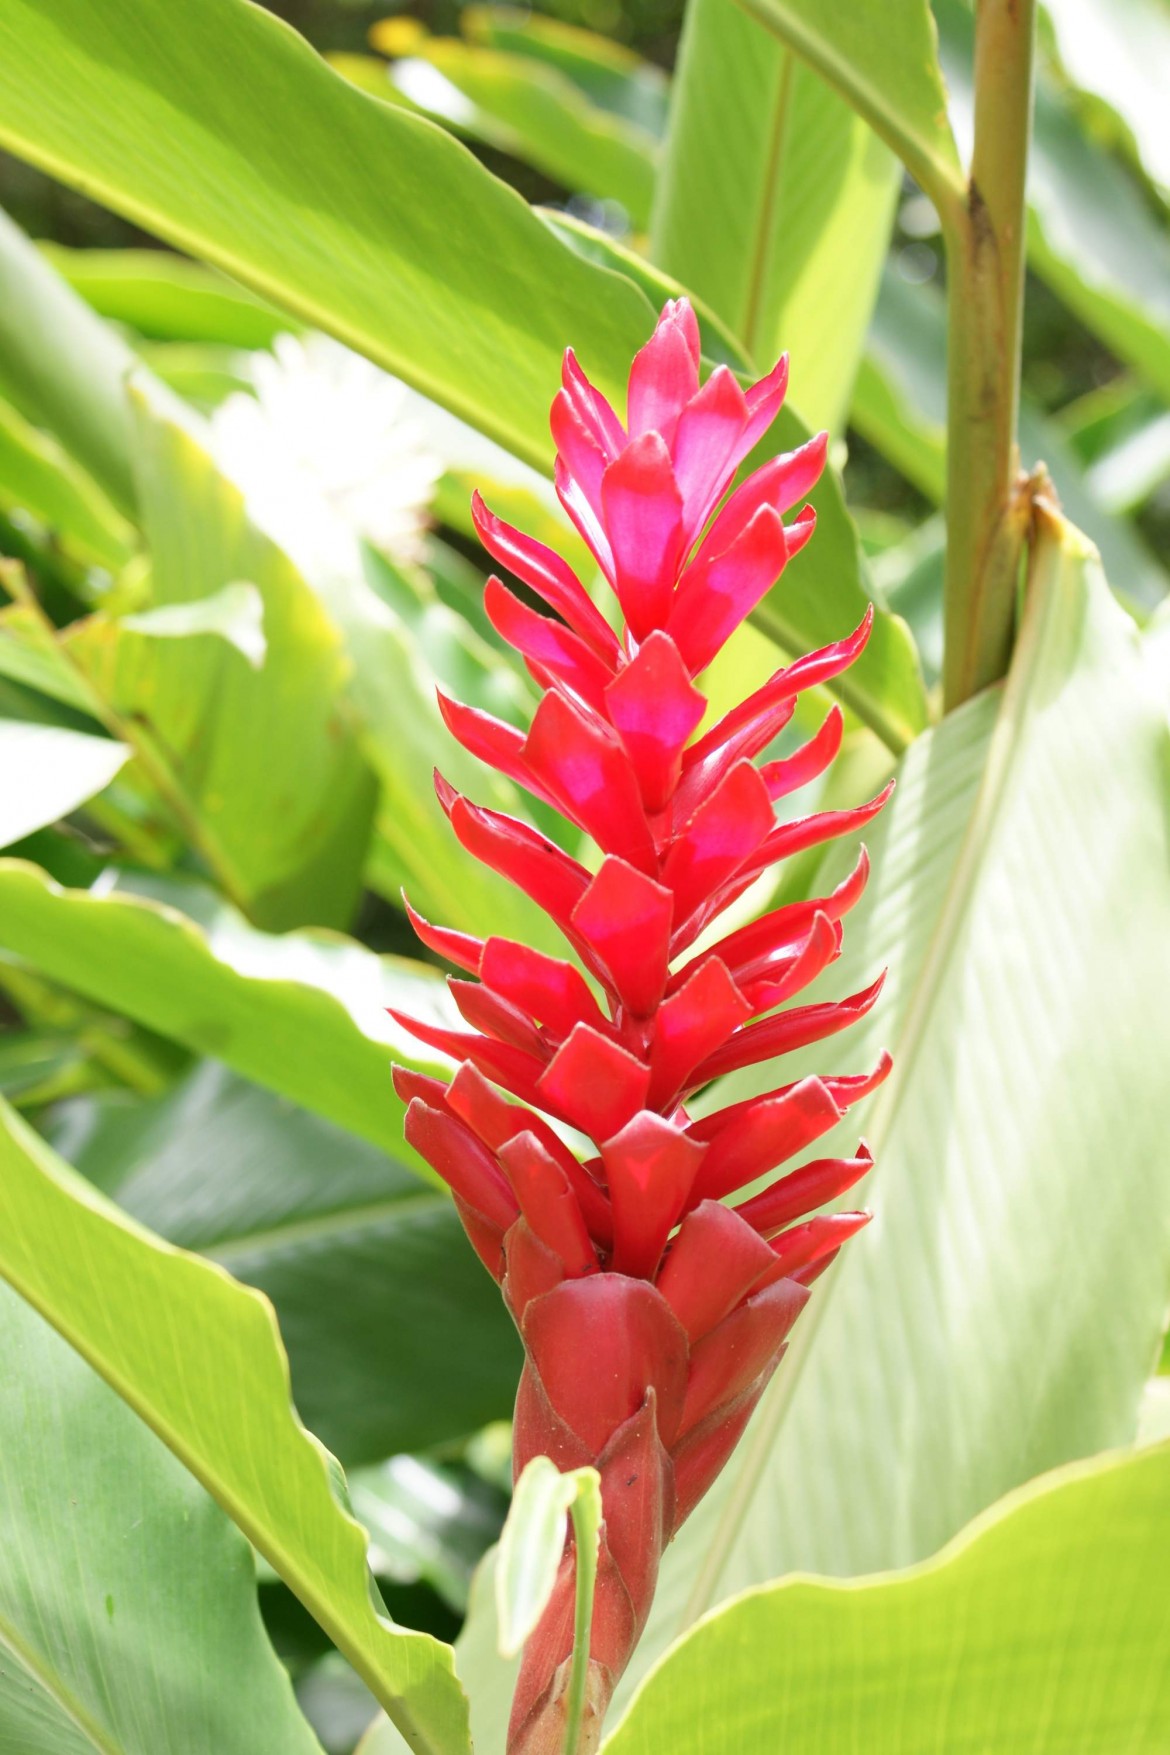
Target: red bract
x=652 y=1314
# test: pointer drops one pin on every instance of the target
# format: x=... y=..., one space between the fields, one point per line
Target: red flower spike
x=653 y=1314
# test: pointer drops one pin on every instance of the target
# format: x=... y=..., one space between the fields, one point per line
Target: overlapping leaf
x=118 y=1574
x=397 y=1339
x=199 y=1358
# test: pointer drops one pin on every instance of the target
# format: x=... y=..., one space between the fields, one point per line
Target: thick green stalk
x=988 y=509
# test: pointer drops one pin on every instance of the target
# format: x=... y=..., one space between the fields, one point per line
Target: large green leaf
x=899 y=405
x=264 y=761
x=397 y=1339
x=363 y=219
x=1020 y=898
x=48 y=771
x=535 y=112
x=774 y=203
x=1042 y=1628
x=885 y=61
x=199 y=1358
x=302 y=1013
x=128 y=1618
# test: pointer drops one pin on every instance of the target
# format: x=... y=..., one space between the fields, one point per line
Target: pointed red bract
x=653 y=1314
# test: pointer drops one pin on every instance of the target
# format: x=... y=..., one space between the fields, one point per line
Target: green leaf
x=884 y=60
x=611 y=75
x=1120 y=52
x=260 y=764
x=1042 y=1628
x=128 y=1618
x=199 y=1358
x=165 y=298
x=38 y=476
x=48 y=771
x=303 y=1014
x=345 y=1240
x=532 y=1544
x=774 y=203
x=62 y=367
x=951 y=1355
x=899 y=406
x=537 y=114
x=363 y=219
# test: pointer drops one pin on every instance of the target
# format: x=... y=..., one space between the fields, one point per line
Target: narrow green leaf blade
x=774 y=203
x=1043 y=1627
x=199 y=1358
x=885 y=61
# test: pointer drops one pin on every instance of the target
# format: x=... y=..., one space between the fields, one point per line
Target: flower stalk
x=988 y=506
x=655 y=1274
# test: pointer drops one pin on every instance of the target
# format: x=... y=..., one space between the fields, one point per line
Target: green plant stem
x=988 y=509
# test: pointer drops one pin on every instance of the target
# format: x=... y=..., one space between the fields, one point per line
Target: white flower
x=328 y=450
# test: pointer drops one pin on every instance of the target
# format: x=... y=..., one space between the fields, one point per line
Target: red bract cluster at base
x=652 y=1312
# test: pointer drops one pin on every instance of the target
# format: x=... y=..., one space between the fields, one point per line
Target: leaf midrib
x=320 y=1225
x=50 y=1682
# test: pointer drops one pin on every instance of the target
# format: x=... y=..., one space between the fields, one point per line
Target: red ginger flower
x=652 y=1314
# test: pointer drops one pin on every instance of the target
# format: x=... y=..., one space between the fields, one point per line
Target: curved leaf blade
x=199 y=1358
x=365 y=220
x=1042 y=1627
x=128 y=1615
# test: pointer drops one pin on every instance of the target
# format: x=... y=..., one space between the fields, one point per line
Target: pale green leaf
x=345 y=1240
x=301 y=1013
x=47 y=772
x=774 y=203
x=128 y=1617
x=952 y=1354
x=1119 y=50
x=885 y=61
x=259 y=764
x=199 y=1358
x=1042 y=1628
x=235 y=613
x=532 y=1544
